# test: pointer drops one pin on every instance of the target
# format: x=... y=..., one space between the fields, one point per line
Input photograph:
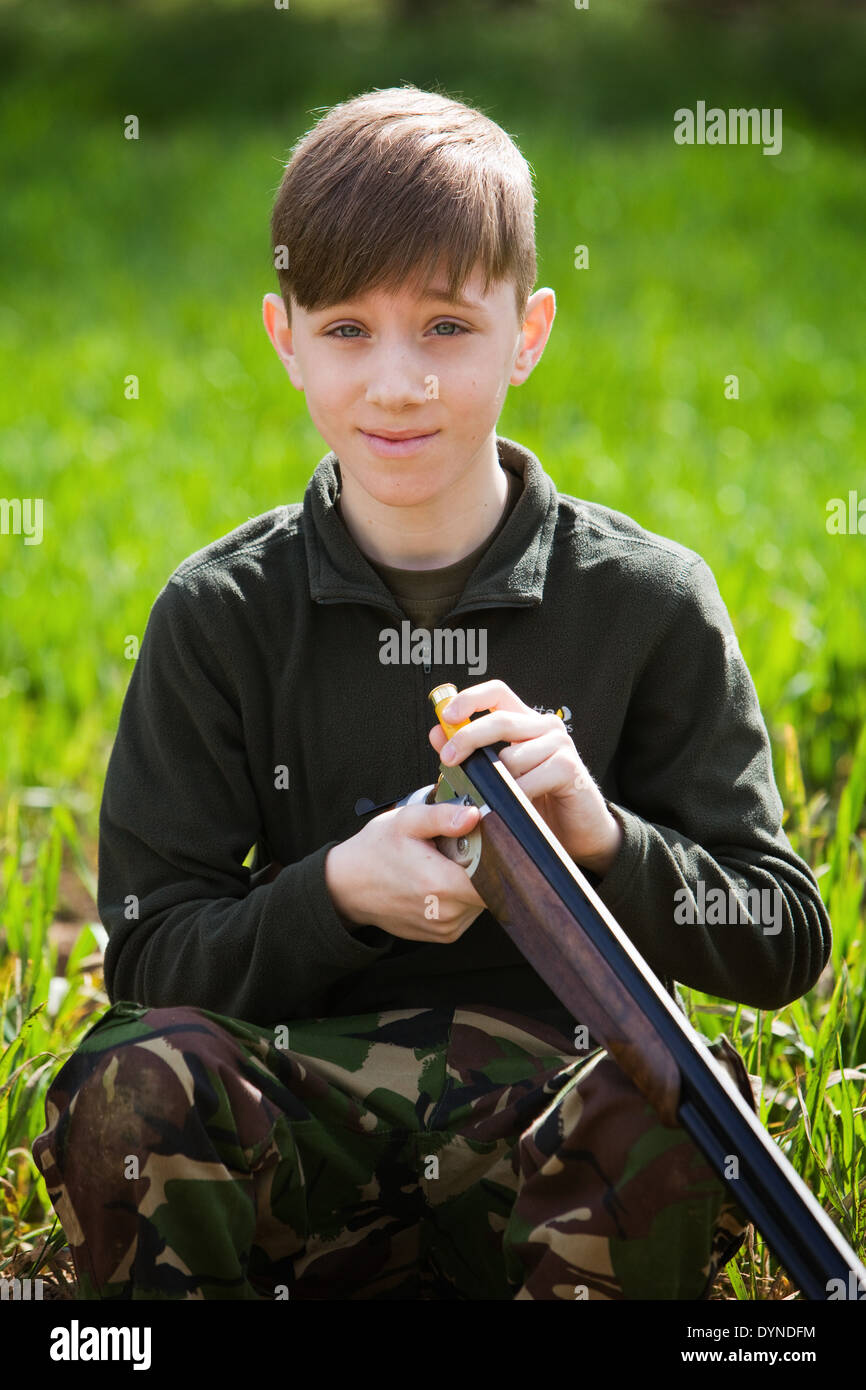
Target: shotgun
x=548 y=907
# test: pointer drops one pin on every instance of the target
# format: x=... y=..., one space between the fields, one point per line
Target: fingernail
x=447 y=751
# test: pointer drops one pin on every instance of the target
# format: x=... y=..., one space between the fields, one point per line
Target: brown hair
x=390 y=183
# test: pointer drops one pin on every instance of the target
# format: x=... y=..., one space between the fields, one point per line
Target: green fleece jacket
x=264 y=706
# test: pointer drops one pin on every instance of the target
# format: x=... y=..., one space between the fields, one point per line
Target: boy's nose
x=392 y=384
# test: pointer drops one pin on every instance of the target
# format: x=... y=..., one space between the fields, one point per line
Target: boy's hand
x=390 y=875
x=544 y=763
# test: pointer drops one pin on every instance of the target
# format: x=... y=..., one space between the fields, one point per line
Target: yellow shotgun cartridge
x=440 y=695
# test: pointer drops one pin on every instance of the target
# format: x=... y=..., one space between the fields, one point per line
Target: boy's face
x=411 y=363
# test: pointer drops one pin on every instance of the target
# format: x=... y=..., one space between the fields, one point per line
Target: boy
x=323 y=1089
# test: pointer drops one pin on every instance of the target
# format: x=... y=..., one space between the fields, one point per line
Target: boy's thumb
x=457 y=819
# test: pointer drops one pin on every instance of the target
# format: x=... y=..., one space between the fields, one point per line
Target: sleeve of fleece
x=177 y=819
x=697 y=801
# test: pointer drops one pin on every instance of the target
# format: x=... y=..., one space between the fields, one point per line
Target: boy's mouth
x=397 y=443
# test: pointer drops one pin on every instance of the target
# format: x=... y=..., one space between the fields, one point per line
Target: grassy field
x=151 y=257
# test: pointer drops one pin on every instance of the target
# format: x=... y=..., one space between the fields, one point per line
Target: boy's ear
x=277 y=328
x=537 y=323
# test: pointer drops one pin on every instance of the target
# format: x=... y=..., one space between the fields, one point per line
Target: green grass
x=40 y=1022
x=151 y=258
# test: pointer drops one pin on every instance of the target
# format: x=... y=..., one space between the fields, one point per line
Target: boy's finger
x=458 y=819
x=507 y=725
x=486 y=695
x=441 y=818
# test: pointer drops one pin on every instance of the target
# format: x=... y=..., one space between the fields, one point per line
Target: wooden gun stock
x=524 y=903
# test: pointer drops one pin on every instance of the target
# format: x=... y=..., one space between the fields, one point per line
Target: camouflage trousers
x=464 y=1153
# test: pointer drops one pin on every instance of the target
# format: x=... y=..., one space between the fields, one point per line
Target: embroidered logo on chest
x=563 y=713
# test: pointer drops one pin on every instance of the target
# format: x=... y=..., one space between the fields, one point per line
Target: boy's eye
x=348 y=331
